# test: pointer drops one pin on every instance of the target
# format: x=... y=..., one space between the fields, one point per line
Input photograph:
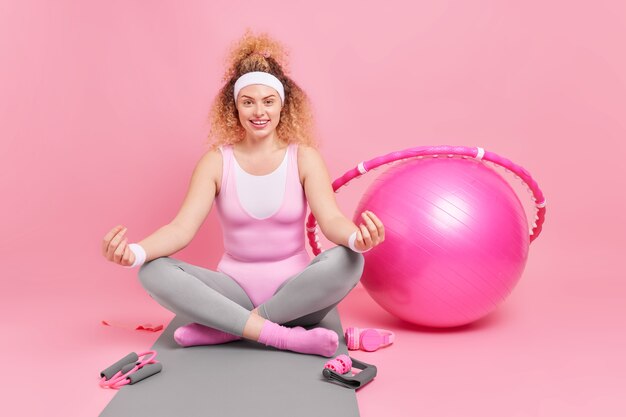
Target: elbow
x=335 y=228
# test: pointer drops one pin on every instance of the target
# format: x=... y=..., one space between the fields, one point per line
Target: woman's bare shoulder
x=211 y=163
x=309 y=158
x=307 y=152
x=212 y=154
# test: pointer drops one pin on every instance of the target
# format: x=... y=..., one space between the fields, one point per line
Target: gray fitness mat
x=240 y=378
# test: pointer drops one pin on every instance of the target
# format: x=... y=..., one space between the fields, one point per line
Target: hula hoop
x=435 y=151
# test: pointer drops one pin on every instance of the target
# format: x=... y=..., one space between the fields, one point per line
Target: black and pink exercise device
x=336 y=369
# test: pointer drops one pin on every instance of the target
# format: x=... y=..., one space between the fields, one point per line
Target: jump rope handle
x=145 y=372
x=108 y=373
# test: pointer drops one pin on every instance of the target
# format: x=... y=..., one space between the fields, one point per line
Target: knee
x=350 y=264
x=357 y=264
x=150 y=273
x=353 y=261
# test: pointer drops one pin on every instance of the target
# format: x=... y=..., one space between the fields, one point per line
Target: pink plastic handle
x=436 y=151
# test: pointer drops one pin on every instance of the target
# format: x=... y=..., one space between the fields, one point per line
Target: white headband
x=259 y=77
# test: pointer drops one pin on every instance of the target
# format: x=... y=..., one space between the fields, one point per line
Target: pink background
x=103 y=110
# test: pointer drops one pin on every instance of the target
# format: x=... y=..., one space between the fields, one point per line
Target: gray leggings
x=216 y=300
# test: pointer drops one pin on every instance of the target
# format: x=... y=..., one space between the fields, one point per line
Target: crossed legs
x=215 y=300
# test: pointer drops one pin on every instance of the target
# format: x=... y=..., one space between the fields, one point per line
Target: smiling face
x=259 y=110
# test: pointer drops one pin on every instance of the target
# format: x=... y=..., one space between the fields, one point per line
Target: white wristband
x=351 y=240
x=140 y=255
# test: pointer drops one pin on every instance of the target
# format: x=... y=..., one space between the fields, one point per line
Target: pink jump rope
x=130 y=369
x=372 y=339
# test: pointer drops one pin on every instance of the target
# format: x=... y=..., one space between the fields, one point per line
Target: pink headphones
x=368 y=340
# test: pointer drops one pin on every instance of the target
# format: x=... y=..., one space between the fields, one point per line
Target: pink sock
x=196 y=334
x=318 y=341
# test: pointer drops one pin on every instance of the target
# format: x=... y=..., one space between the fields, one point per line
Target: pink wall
x=103 y=113
x=103 y=106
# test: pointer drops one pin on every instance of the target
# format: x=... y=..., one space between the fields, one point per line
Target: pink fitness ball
x=456 y=241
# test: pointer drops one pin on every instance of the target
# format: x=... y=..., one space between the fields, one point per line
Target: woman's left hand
x=371 y=232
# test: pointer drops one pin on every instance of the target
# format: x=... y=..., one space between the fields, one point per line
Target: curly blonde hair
x=260 y=53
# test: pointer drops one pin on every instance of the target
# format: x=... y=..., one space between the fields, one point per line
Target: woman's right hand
x=115 y=247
